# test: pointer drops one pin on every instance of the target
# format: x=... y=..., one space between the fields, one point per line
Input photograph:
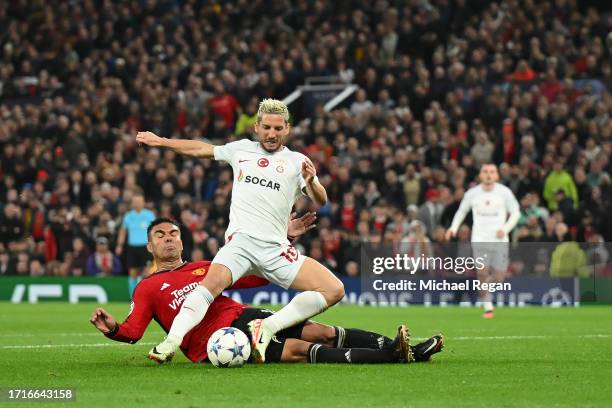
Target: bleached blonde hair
x=272 y=107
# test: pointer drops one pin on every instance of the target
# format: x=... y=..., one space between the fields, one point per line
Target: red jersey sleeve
x=134 y=326
x=250 y=281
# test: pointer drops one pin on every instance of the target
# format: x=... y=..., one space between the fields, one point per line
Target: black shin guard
x=360 y=338
x=318 y=353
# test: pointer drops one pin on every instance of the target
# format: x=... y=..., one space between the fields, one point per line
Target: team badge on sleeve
x=199 y=272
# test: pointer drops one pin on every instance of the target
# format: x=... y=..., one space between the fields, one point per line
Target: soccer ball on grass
x=228 y=347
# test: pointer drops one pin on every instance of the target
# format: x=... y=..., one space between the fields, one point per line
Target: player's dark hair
x=158 y=221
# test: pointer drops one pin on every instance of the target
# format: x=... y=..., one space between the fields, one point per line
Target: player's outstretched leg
x=337 y=336
x=192 y=311
x=485 y=298
x=321 y=289
x=401 y=353
x=295 y=350
x=423 y=351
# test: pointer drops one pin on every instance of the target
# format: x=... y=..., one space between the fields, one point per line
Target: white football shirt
x=490 y=211
x=266 y=186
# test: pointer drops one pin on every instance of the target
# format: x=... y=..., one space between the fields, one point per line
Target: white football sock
x=302 y=307
x=192 y=312
x=486 y=300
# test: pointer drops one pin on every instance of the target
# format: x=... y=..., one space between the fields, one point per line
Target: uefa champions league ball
x=228 y=347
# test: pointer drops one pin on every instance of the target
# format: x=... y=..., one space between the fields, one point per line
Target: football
x=228 y=347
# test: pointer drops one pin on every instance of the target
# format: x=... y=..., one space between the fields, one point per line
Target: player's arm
x=513 y=208
x=313 y=187
x=134 y=326
x=187 y=147
x=464 y=208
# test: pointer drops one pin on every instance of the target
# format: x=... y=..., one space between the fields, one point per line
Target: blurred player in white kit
x=268 y=179
x=495 y=212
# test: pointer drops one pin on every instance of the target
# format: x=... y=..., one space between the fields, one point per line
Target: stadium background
x=443 y=87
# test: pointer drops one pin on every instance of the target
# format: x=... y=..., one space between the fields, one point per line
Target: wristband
x=113 y=331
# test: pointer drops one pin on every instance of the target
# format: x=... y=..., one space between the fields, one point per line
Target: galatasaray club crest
x=199 y=272
x=280 y=166
x=263 y=162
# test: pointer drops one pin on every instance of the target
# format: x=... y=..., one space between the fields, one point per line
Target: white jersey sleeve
x=464 y=208
x=227 y=151
x=513 y=208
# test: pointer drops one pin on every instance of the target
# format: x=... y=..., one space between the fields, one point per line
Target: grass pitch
x=524 y=357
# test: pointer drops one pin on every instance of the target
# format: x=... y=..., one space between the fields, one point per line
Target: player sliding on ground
x=268 y=179
x=495 y=212
x=159 y=295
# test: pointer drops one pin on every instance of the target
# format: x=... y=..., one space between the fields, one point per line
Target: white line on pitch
x=582 y=336
x=40 y=346
x=459 y=338
x=50 y=334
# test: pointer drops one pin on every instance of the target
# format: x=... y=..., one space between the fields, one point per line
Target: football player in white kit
x=268 y=179
x=495 y=212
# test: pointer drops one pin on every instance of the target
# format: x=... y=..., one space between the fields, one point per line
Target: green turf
x=524 y=357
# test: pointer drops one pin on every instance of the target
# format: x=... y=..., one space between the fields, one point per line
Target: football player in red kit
x=159 y=297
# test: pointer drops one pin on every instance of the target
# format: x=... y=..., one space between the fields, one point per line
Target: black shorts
x=275 y=349
x=137 y=256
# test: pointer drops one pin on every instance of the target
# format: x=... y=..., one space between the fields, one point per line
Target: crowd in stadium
x=445 y=86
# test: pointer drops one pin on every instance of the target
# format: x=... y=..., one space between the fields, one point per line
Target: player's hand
x=103 y=320
x=149 y=138
x=308 y=171
x=450 y=234
x=298 y=226
x=119 y=250
x=500 y=233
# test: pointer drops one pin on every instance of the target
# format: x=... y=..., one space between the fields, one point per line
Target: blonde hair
x=272 y=107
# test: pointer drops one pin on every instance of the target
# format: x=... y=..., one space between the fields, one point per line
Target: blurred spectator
x=246 y=120
x=568 y=260
x=559 y=179
x=416 y=243
x=482 y=151
x=103 y=262
x=11 y=227
x=80 y=254
x=431 y=211
x=5 y=264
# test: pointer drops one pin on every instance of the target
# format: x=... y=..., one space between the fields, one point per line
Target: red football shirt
x=159 y=297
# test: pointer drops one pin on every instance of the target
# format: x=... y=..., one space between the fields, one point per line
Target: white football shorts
x=245 y=255
x=493 y=254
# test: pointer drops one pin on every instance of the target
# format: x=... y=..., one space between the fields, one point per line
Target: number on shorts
x=290 y=254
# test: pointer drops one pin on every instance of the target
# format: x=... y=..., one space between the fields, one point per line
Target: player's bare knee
x=295 y=351
x=328 y=336
x=334 y=293
x=217 y=281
